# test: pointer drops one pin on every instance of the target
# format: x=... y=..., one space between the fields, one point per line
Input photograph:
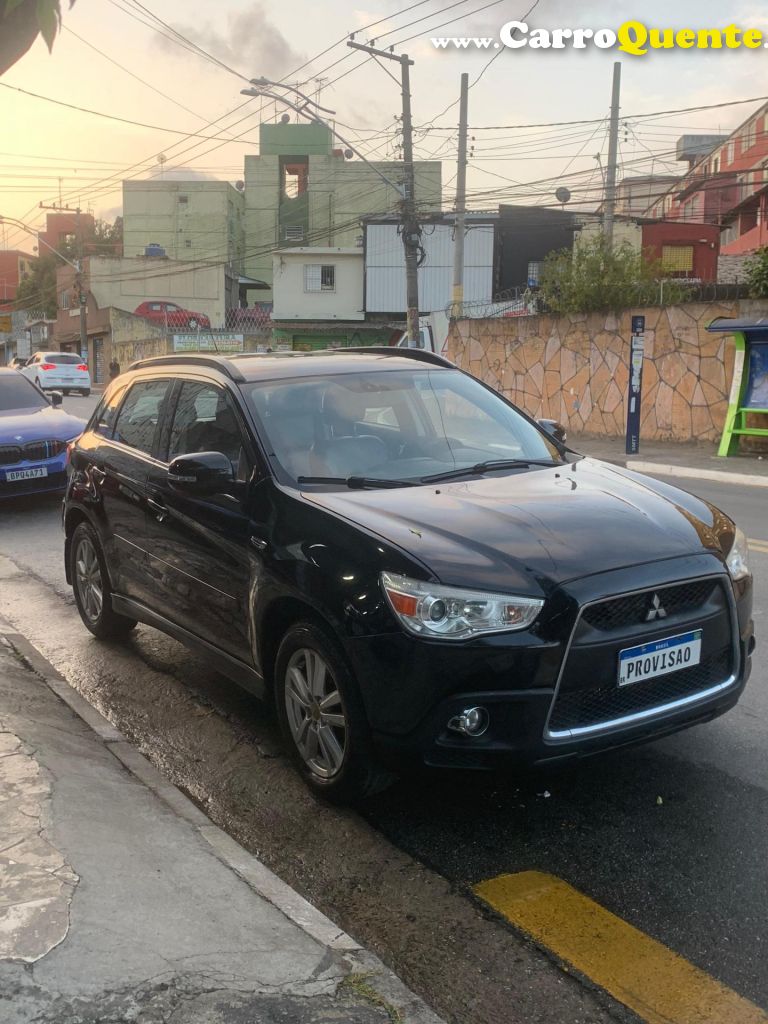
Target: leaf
x=11 y=5
x=48 y=19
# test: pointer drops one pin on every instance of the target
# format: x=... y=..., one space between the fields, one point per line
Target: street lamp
x=25 y=227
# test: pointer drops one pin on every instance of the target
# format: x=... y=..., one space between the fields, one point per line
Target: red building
x=728 y=187
x=684 y=249
x=15 y=265
x=64 y=228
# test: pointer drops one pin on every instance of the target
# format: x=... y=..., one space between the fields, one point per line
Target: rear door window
x=140 y=414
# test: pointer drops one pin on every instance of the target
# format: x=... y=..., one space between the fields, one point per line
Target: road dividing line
x=758 y=545
x=660 y=986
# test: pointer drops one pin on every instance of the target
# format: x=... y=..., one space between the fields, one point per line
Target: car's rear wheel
x=90 y=581
x=85 y=392
x=322 y=717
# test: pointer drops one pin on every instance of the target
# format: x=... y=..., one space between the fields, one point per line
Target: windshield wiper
x=485 y=467
x=356 y=483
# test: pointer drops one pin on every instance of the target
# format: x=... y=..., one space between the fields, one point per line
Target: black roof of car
x=253 y=366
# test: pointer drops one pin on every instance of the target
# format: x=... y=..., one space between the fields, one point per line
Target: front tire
x=322 y=717
x=90 y=582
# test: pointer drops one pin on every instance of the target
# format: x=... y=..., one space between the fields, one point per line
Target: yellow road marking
x=758 y=545
x=660 y=986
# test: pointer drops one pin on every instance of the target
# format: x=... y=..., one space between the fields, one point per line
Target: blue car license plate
x=659 y=658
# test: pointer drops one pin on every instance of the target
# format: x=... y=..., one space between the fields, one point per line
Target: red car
x=170 y=315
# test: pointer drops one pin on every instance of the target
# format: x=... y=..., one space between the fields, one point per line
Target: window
x=293 y=233
x=205 y=421
x=677 y=259
x=750 y=136
x=183 y=200
x=104 y=418
x=319 y=277
x=64 y=300
x=716 y=165
x=140 y=413
x=187 y=243
x=730 y=152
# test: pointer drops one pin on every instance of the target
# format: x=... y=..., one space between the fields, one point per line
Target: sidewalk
x=676 y=458
x=120 y=901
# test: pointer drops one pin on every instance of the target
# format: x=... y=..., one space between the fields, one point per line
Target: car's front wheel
x=322 y=717
x=93 y=593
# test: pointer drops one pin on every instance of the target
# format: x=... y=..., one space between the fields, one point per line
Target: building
x=62 y=229
x=15 y=266
x=726 y=186
x=189 y=220
x=385 y=286
x=685 y=250
x=23 y=332
x=526 y=235
x=121 y=284
x=302 y=191
x=636 y=193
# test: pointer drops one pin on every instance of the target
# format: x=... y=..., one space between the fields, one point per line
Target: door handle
x=160 y=511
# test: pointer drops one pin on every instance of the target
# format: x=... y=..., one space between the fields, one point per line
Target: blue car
x=34 y=435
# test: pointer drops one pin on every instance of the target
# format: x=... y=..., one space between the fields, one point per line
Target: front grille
x=33 y=451
x=591 y=707
x=633 y=609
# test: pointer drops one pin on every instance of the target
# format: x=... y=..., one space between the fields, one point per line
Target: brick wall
x=575 y=368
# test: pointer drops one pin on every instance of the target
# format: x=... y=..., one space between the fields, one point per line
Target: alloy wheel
x=315 y=713
x=88 y=577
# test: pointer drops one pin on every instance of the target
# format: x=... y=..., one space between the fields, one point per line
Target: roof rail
x=192 y=359
x=419 y=354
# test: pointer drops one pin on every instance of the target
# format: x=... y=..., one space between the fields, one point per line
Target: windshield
x=391 y=425
x=16 y=392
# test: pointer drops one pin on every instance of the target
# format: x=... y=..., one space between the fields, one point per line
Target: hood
x=535 y=529
x=38 y=425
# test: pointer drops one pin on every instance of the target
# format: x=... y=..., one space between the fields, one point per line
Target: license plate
x=25 y=474
x=659 y=658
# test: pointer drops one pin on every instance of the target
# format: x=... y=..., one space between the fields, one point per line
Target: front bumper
x=54 y=482
x=552 y=694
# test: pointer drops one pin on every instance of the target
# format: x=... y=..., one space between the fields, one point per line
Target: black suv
x=412 y=569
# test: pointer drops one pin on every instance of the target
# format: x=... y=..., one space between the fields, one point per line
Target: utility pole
x=457 y=305
x=410 y=223
x=82 y=297
x=613 y=151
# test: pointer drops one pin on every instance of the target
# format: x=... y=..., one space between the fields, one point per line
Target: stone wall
x=575 y=368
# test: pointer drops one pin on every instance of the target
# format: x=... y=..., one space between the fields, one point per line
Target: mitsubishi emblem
x=657 y=610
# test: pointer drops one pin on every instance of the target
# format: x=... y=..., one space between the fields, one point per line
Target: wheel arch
x=276 y=620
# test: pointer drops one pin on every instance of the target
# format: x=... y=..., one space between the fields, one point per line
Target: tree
x=38 y=291
x=21 y=21
x=757 y=273
x=594 y=277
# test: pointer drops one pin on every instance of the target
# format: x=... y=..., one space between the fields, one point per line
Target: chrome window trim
x=601 y=728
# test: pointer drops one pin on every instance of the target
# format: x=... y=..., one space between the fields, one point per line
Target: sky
x=113 y=57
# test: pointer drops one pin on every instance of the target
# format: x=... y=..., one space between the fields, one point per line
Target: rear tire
x=85 y=392
x=90 y=582
x=322 y=717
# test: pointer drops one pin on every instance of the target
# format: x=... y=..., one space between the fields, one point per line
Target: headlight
x=738 y=556
x=428 y=609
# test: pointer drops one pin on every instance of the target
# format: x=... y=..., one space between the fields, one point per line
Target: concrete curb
x=720 y=476
x=403 y=1004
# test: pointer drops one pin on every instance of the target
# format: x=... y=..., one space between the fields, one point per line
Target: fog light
x=472 y=722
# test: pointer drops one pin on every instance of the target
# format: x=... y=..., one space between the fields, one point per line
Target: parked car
x=411 y=568
x=34 y=435
x=61 y=371
x=170 y=315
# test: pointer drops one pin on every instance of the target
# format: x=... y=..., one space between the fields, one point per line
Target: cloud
x=250 y=43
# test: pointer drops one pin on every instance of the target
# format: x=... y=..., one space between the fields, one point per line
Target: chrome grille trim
x=600 y=728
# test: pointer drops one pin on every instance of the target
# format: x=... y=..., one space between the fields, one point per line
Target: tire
x=85 y=392
x=330 y=745
x=90 y=582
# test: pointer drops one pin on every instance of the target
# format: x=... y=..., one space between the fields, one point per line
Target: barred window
x=319 y=277
x=677 y=258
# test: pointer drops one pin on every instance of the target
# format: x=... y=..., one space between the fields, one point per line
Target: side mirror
x=201 y=473
x=56 y=398
x=555 y=430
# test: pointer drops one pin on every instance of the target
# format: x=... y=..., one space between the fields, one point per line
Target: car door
x=198 y=546
x=118 y=470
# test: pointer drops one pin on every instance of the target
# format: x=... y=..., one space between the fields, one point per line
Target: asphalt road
x=670 y=837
